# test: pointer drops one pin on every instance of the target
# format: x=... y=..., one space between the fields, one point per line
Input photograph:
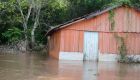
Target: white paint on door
x=91 y=46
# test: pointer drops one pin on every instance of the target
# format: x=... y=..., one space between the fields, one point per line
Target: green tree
x=35 y=17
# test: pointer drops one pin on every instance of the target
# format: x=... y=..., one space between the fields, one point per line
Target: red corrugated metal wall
x=54 y=44
x=72 y=41
x=109 y=44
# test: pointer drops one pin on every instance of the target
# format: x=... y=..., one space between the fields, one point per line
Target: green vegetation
x=120 y=40
x=30 y=19
x=111 y=19
x=121 y=47
x=13 y=35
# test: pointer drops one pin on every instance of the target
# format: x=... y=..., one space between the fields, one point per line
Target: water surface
x=35 y=67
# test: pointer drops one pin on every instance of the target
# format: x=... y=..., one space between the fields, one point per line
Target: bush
x=13 y=35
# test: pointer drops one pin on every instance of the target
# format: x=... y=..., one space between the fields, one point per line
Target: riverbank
x=14 y=49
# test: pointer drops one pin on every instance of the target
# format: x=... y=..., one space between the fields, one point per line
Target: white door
x=91 y=46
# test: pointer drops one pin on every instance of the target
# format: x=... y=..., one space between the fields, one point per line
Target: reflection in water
x=90 y=70
x=33 y=67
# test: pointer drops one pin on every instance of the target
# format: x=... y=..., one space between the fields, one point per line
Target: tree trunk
x=25 y=22
x=33 y=5
x=36 y=23
x=33 y=34
x=26 y=37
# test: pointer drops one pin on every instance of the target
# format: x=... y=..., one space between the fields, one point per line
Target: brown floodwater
x=35 y=67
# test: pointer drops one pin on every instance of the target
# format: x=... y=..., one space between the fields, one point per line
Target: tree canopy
x=52 y=13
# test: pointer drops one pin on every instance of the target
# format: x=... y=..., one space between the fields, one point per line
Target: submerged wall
x=54 y=45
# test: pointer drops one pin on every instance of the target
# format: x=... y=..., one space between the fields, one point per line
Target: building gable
x=126 y=19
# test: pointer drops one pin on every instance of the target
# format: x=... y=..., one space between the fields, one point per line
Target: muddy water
x=33 y=67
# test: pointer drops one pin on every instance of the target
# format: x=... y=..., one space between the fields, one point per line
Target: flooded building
x=101 y=36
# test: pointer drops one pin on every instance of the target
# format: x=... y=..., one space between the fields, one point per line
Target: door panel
x=90 y=46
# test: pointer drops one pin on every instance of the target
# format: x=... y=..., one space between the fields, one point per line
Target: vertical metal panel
x=71 y=41
x=133 y=23
x=108 y=43
x=123 y=19
x=138 y=22
x=133 y=43
x=55 y=44
x=118 y=19
x=100 y=22
x=81 y=41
